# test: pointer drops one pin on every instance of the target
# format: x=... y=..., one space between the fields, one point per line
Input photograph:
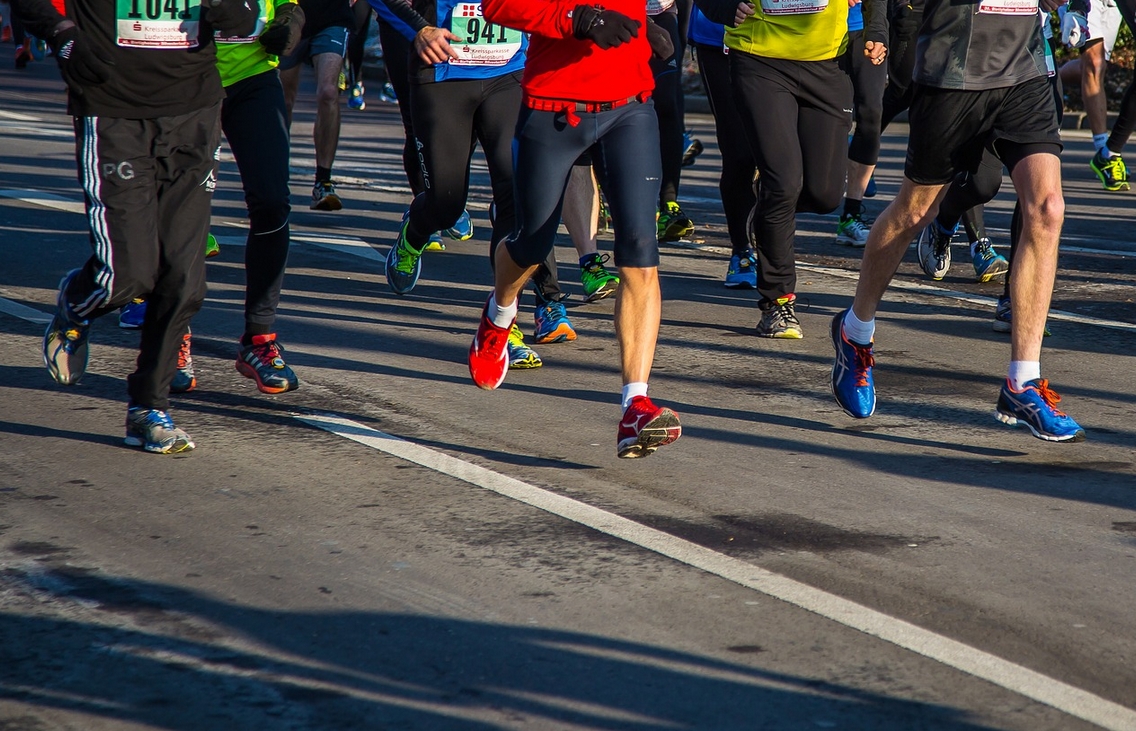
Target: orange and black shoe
x=261 y=361
x=184 y=379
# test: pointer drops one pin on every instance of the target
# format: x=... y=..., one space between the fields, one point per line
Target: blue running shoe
x=65 y=343
x=404 y=264
x=520 y=355
x=154 y=431
x=435 y=243
x=742 y=272
x=871 y=190
x=462 y=230
x=988 y=264
x=852 y=383
x=552 y=324
x=130 y=317
x=1036 y=407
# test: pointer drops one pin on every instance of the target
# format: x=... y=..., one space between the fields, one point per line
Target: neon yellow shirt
x=240 y=58
x=779 y=29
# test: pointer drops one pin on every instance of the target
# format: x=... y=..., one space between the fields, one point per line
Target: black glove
x=605 y=28
x=283 y=33
x=659 y=39
x=234 y=18
x=79 y=63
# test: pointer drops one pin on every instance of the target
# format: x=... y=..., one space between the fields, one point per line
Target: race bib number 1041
x=158 y=23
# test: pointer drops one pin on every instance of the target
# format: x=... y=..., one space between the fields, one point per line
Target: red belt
x=572 y=109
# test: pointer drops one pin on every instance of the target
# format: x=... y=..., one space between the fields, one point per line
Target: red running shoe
x=488 y=354
x=645 y=427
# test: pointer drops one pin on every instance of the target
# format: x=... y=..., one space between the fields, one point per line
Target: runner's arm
x=550 y=19
x=404 y=11
x=876 y=22
x=41 y=17
x=720 y=11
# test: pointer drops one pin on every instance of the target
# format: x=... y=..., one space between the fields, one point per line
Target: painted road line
x=30 y=314
x=19 y=117
x=45 y=199
x=342 y=244
x=1031 y=684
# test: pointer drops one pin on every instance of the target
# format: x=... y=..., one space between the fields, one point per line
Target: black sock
x=853 y=207
x=323 y=175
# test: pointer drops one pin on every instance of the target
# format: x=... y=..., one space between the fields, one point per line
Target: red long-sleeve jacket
x=560 y=67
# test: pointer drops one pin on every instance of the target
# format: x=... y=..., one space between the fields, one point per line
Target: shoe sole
x=561 y=334
x=603 y=292
x=331 y=203
x=782 y=335
x=249 y=372
x=657 y=432
x=669 y=235
x=175 y=448
x=999 y=268
x=525 y=365
x=1010 y=420
x=849 y=241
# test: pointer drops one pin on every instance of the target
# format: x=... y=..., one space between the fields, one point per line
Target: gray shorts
x=332 y=39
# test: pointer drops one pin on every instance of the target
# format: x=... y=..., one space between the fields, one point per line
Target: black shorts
x=950 y=128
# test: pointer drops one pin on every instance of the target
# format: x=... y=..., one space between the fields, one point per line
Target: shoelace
x=184 y=354
x=865 y=360
x=267 y=353
x=553 y=311
x=492 y=340
x=1049 y=396
x=596 y=265
x=406 y=257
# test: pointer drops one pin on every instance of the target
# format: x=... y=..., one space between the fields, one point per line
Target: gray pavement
x=391 y=548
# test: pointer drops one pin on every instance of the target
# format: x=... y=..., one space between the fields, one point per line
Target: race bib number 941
x=158 y=23
x=482 y=43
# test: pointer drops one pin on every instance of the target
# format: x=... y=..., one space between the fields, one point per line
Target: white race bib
x=1008 y=7
x=793 y=7
x=157 y=23
x=481 y=43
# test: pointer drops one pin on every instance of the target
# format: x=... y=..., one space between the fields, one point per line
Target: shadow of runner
x=114 y=650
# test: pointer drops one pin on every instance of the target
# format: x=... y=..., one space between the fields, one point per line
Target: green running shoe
x=404 y=264
x=1111 y=170
x=597 y=280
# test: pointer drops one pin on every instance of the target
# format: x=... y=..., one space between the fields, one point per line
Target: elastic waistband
x=574 y=108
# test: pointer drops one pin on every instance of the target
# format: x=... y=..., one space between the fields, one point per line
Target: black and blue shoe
x=404 y=263
x=462 y=230
x=154 y=431
x=1035 y=406
x=852 y=383
x=132 y=315
x=65 y=343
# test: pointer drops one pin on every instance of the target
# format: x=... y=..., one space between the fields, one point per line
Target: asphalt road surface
x=391 y=548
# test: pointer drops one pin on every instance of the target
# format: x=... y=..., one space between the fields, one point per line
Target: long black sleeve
x=876 y=20
x=39 y=16
x=404 y=11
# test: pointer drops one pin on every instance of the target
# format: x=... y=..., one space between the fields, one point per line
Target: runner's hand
x=282 y=35
x=743 y=11
x=875 y=51
x=79 y=63
x=659 y=39
x=433 y=44
x=233 y=18
x=605 y=28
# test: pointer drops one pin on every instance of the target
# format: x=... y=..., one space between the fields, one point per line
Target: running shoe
x=355 y=99
x=324 y=198
x=489 y=352
x=23 y=55
x=462 y=230
x=1035 y=406
x=742 y=272
x=852 y=382
x=598 y=282
x=65 y=343
x=988 y=264
x=1003 y=317
x=691 y=148
x=935 y=251
x=852 y=230
x=1111 y=170
x=779 y=319
x=154 y=431
x=341 y=82
x=552 y=324
x=644 y=428
x=603 y=224
x=871 y=189
x=212 y=248
x=131 y=316
x=435 y=243
x=521 y=356
x=673 y=224
x=404 y=264
x=387 y=94
x=184 y=379
x=261 y=361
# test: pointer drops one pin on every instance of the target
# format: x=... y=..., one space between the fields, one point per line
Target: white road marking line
x=19 y=117
x=45 y=199
x=970 y=660
x=343 y=244
x=23 y=312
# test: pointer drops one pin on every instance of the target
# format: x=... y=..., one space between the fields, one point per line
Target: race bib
x=157 y=23
x=793 y=7
x=482 y=43
x=260 y=23
x=1008 y=7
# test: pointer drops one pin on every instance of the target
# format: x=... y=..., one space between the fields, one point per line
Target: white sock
x=631 y=390
x=1100 y=142
x=501 y=316
x=858 y=331
x=1022 y=372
